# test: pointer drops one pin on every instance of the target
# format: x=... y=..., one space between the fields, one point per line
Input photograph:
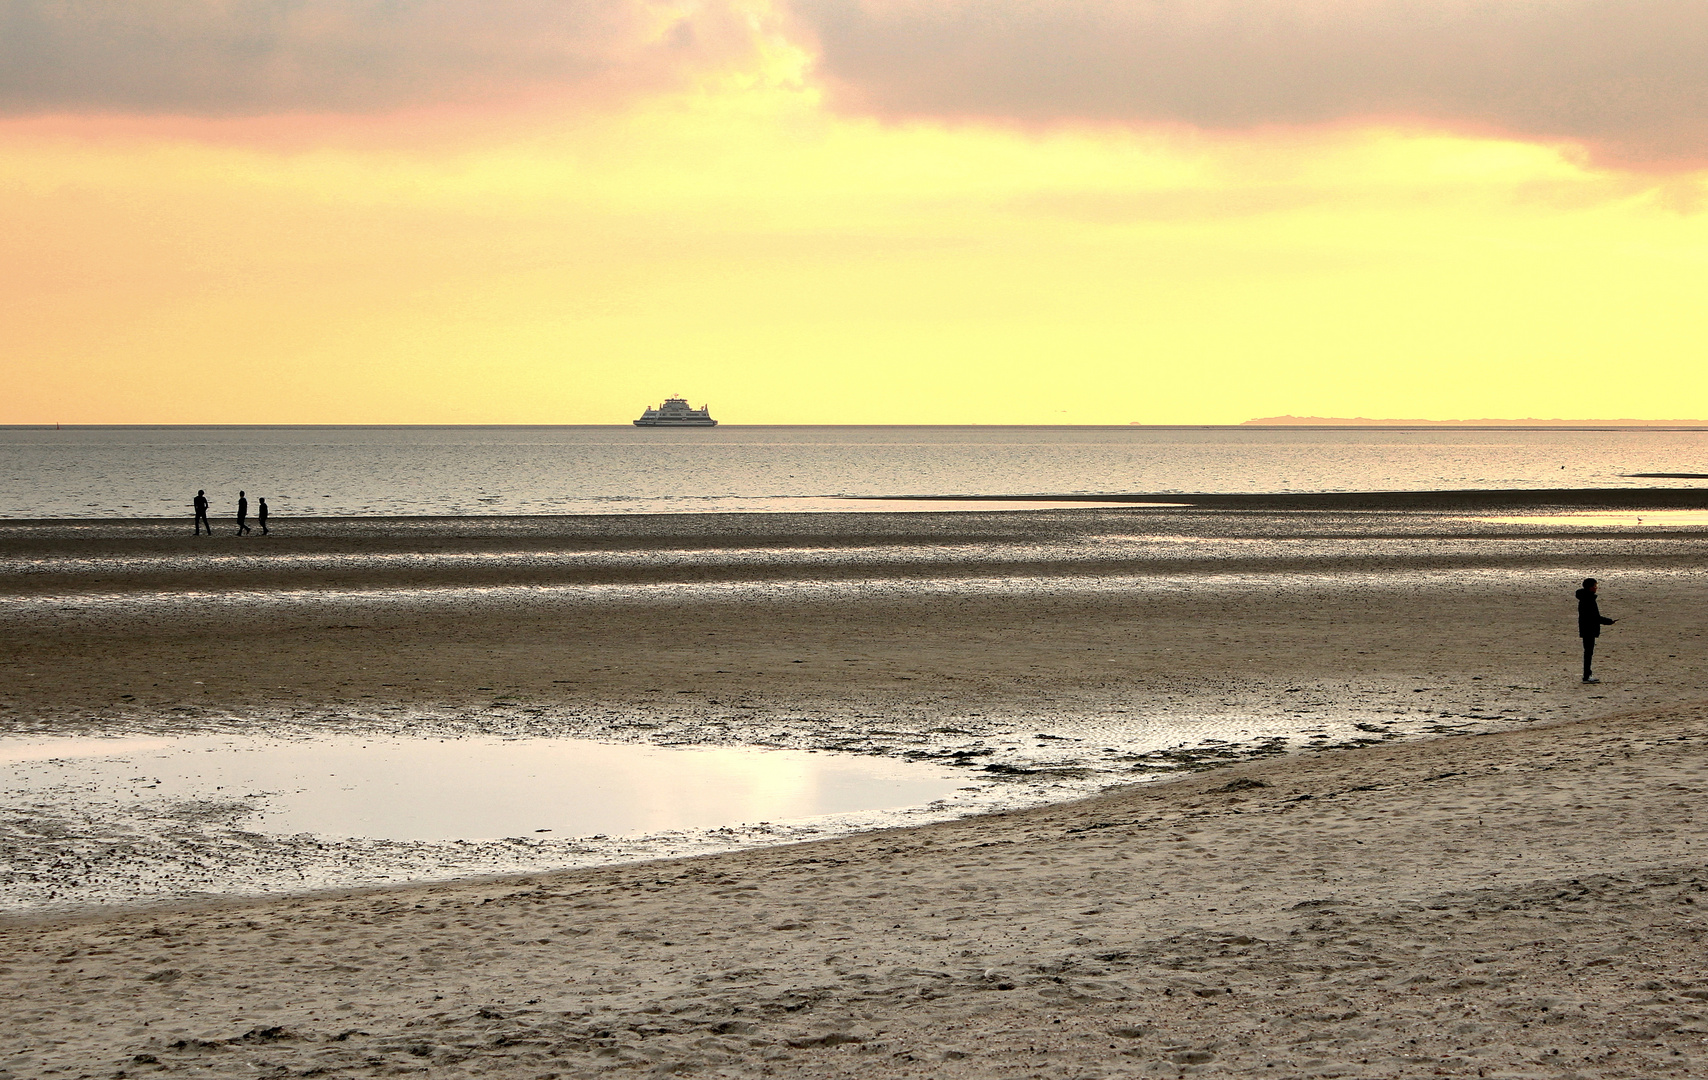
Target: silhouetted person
x=1590 y=622
x=202 y=513
x=261 y=516
x=242 y=513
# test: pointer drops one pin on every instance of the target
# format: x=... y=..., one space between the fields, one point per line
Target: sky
x=851 y=211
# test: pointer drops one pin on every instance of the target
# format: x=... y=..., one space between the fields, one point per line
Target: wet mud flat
x=1043 y=655
x=1195 y=534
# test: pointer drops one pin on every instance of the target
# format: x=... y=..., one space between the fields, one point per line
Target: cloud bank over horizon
x=1626 y=78
x=224 y=58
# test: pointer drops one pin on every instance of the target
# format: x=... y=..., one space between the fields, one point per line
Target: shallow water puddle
x=458 y=789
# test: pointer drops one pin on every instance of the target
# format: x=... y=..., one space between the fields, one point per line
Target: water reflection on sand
x=401 y=788
x=445 y=597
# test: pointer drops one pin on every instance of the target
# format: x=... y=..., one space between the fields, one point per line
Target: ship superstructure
x=676 y=413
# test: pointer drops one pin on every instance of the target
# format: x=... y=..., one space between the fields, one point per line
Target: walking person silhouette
x=242 y=513
x=201 y=504
x=261 y=516
x=1590 y=622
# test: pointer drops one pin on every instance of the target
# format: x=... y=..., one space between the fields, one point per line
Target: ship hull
x=676 y=423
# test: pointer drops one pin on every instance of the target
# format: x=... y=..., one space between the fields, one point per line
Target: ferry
x=676 y=413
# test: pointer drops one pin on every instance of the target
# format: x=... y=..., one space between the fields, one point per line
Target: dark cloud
x=249 y=57
x=1627 y=78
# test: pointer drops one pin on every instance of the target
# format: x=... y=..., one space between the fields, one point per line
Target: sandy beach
x=1517 y=900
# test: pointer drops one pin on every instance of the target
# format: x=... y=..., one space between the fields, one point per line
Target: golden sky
x=852 y=211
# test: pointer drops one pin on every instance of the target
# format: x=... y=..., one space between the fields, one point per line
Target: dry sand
x=1520 y=903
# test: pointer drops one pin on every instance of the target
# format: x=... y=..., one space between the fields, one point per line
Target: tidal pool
x=401 y=788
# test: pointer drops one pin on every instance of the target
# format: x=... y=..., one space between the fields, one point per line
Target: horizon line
x=1327 y=423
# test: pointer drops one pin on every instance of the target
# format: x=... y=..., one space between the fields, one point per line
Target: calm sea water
x=154 y=472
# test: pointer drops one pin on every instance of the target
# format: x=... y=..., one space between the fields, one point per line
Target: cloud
x=255 y=57
x=1626 y=78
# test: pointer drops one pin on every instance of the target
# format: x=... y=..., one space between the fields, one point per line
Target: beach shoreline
x=1451 y=500
x=1039 y=641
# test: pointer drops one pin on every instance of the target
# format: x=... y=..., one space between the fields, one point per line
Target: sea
x=154 y=472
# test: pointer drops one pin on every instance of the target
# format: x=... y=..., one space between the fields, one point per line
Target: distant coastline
x=1528 y=422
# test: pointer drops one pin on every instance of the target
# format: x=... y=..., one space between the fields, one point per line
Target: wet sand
x=916 y=615
x=1517 y=902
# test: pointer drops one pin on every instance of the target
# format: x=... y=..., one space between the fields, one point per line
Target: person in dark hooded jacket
x=1590 y=622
